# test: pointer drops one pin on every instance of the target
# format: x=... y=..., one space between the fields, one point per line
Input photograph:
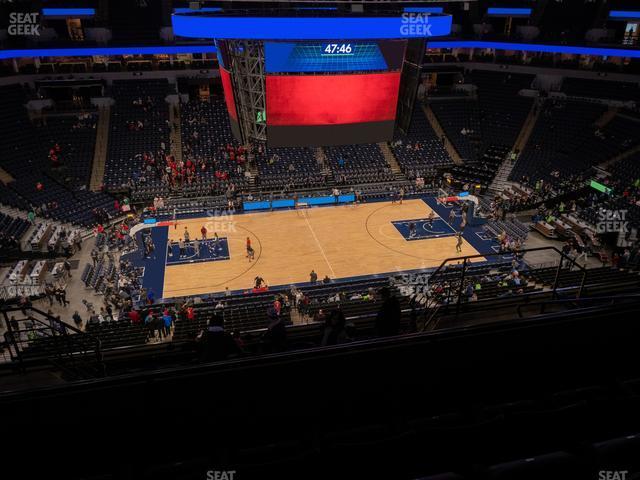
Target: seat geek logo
x=613 y=474
x=612 y=221
x=24 y=24
x=411 y=283
x=415 y=25
x=221 y=474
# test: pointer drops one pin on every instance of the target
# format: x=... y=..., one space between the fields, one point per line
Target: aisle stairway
x=321 y=158
x=323 y=163
x=175 y=138
x=391 y=160
x=500 y=181
x=527 y=128
x=435 y=124
x=101 y=148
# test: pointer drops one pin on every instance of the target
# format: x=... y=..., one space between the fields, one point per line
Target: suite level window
x=631 y=34
x=74 y=27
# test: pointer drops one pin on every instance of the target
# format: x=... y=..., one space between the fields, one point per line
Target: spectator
x=49 y=292
x=276 y=334
x=134 y=316
x=61 y=296
x=388 y=318
x=216 y=343
x=67 y=267
x=168 y=322
x=335 y=329
x=77 y=319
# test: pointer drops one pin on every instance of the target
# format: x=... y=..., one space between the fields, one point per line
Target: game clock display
x=337 y=49
x=324 y=57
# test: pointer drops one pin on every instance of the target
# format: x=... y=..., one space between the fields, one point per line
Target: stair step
x=437 y=128
x=502 y=175
x=392 y=161
x=100 y=151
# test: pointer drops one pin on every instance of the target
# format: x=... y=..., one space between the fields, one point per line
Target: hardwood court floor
x=341 y=241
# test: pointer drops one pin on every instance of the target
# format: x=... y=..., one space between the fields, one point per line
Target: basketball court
x=339 y=241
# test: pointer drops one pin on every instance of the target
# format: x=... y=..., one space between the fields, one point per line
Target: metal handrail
x=465 y=262
x=240 y=363
x=75 y=340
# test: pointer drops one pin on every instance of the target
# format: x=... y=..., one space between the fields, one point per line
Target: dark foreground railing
x=33 y=336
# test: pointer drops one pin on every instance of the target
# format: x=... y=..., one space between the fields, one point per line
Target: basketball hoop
x=301 y=209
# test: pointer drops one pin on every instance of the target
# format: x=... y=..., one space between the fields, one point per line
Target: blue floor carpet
x=423 y=229
x=154 y=266
x=209 y=251
x=475 y=235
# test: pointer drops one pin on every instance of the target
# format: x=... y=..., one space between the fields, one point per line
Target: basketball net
x=442 y=196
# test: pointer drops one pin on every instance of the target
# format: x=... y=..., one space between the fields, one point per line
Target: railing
x=36 y=336
x=451 y=281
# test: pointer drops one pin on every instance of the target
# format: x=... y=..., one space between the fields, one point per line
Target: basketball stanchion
x=302 y=209
x=442 y=197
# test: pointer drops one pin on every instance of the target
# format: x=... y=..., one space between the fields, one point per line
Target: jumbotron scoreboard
x=313 y=78
x=332 y=92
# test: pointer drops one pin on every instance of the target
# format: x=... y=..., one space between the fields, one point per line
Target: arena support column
x=409 y=81
x=246 y=63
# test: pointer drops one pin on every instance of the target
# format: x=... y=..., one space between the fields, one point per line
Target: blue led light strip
x=406 y=25
x=532 y=47
x=511 y=12
x=624 y=14
x=68 y=12
x=88 y=52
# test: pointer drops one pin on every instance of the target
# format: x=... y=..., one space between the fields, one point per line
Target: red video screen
x=227 y=86
x=331 y=99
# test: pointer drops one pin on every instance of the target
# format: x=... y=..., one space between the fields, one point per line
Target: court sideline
x=340 y=241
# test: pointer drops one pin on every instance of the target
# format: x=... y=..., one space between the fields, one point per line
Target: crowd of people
x=508 y=243
x=126 y=299
x=55 y=155
x=8 y=242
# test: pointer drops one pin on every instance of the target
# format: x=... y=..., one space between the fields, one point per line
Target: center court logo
x=24 y=24
x=415 y=25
